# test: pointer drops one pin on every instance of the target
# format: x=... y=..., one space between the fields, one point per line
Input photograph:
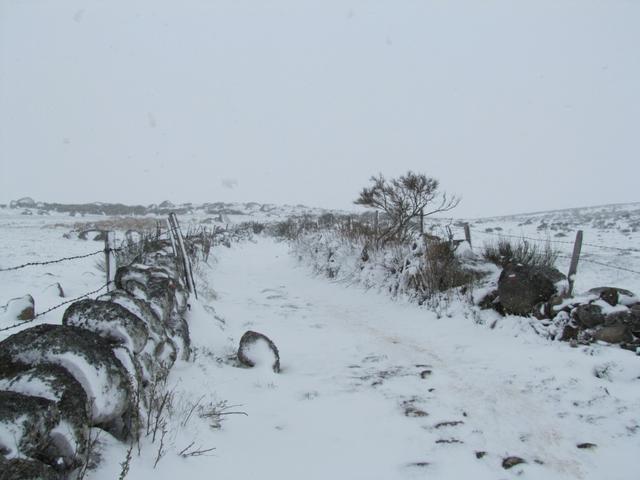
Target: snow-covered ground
x=375 y=389
x=370 y=388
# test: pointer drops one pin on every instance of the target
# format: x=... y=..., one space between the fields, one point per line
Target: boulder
x=613 y=295
x=178 y=330
x=617 y=333
x=258 y=349
x=166 y=353
x=491 y=301
x=21 y=308
x=521 y=287
x=139 y=308
x=588 y=315
x=89 y=359
x=155 y=285
x=23 y=469
x=510 y=462
x=109 y=320
x=56 y=384
x=27 y=427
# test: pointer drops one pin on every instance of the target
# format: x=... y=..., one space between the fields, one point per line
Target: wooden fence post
x=107 y=258
x=573 y=268
x=467 y=233
x=171 y=237
x=188 y=273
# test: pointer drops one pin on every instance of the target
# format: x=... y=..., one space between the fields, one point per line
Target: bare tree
x=403 y=199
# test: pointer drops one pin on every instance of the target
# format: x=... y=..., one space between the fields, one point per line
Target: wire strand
x=31 y=264
x=16 y=325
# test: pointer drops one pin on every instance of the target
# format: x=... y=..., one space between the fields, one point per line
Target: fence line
x=575 y=258
x=615 y=267
x=582 y=259
x=562 y=242
x=16 y=325
x=107 y=251
x=30 y=264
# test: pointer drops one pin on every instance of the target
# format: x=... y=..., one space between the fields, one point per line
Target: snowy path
x=375 y=389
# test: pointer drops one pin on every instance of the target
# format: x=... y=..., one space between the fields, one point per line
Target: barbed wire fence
x=129 y=247
x=575 y=251
x=577 y=254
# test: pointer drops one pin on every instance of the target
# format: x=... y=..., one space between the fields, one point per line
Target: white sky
x=515 y=105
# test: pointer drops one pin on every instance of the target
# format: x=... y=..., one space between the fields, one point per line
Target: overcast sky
x=515 y=105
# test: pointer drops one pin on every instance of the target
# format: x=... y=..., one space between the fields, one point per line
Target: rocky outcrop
x=522 y=287
x=58 y=381
x=258 y=349
x=19 y=309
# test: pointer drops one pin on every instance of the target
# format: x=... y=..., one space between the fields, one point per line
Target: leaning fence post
x=107 y=258
x=188 y=273
x=467 y=233
x=573 y=268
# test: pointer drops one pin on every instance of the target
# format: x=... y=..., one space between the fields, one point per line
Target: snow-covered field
x=370 y=388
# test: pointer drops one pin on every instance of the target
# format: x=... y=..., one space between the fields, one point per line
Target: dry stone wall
x=94 y=370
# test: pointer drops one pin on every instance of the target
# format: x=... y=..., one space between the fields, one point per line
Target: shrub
x=521 y=252
x=404 y=199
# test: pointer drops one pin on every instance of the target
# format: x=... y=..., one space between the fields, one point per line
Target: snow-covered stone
x=256 y=349
x=88 y=358
x=26 y=469
x=56 y=384
x=109 y=320
x=522 y=287
x=19 y=309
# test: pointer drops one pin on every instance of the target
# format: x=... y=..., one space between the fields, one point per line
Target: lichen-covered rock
x=20 y=309
x=88 y=358
x=258 y=349
x=161 y=350
x=109 y=320
x=616 y=333
x=56 y=384
x=613 y=295
x=588 y=315
x=140 y=308
x=522 y=287
x=31 y=427
x=510 y=462
x=24 y=469
x=155 y=285
x=165 y=353
x=178 y=329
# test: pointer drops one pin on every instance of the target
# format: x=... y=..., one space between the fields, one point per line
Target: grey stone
x=611 y=295
x=155 y=285
x=53 y=383
x=617 y=333
x=588 y=315
x=21 y=308
x=139 y=308
x=89 y=359
x=25 y=469
x=510 y=462
x=179 y=332
x=32 y=421
x=521 y=287
x=109 y=320
x=251 y=338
